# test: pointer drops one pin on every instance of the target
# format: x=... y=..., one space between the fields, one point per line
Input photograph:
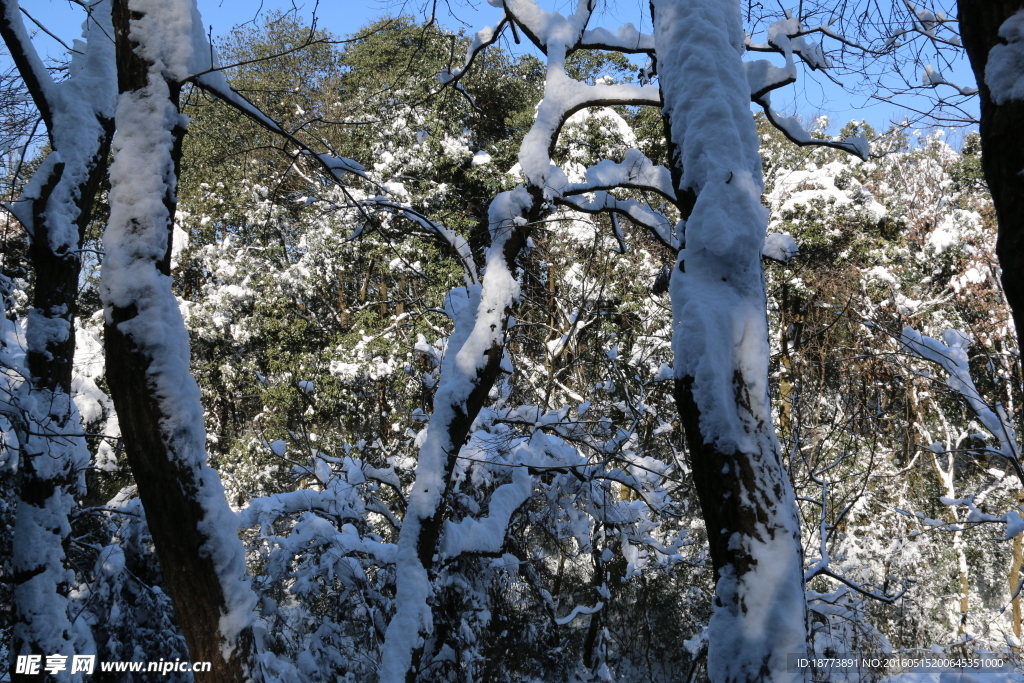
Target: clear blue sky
x=808 y=97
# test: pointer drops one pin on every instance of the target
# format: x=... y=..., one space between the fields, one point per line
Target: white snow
x=487 y=534
x=626 y=39
x=720 y=327
x=780 y=246
x=952 y=229
x=809 y=185
x=951 y=354
x=577 y=611
x=36 y=422
x=1004 y=71
x=563 y=96
x=480 y=315
x=635 y=170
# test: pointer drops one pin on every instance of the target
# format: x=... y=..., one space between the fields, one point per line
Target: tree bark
x=1002 y=144
x=157 y=400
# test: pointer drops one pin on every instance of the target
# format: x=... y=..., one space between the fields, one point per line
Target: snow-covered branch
x=626 y=39
x=445 y=235
x=951 y=355
x=486 y=534
x=24 y=55
x=635 y=171
x=641 y=214
x=564 y=96
x=795 y=132
x=482 y=39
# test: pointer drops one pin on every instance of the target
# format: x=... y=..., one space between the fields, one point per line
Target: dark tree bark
x=1002 y=144
x=158 y=408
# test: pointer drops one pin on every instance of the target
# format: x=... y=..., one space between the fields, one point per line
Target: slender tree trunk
x=946 y=480
x=1013 y=580
x=1002 y=143
x=147 y=351
x=54 y=210
x=471 y=366
x=720 y=345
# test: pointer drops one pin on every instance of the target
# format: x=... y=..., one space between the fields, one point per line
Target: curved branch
x=880 y=597
x=37 y=79
x=654 y=221
x=791 y=128
x=446 y=235
x=563 y=97
x=483 y=39
x=635 y=171
x=544 y=28
x=627 y=40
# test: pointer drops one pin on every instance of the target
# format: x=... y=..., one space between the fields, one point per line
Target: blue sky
x=809 y=97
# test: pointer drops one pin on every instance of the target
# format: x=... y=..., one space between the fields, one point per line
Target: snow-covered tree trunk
x=147 y=346
x=55 y=209
x=470 y=368
x=720 y=344
x=992 y=32
x=473 y=358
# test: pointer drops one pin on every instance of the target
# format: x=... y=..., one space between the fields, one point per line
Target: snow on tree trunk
x=54 y=209
x=147 y=346
x=993 y=35
x=720 y=345
x=473 y=358
x=471 y=365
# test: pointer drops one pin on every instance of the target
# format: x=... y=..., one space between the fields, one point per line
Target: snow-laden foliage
x=324 y=318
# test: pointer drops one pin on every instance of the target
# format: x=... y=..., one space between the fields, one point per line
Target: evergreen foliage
x=317 y=329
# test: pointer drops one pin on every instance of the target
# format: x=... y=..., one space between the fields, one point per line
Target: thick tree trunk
x=49 y=466
x=1002 y=143
x=746 y=502
x=51 y=463
x=157 y=400
x=720 y=345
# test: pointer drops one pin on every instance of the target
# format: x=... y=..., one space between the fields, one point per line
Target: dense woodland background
x=317 y=327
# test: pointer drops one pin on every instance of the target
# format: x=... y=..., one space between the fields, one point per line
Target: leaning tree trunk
x=1002 y=137
x=720 y=345
x=471 y=366
x=147 y=347
x=54 y=209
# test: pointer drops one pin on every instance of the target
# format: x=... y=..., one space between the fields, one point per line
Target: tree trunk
x=465 y=382
x=49 y=466
x=720 y=345
x=1014 y=578
x=1002 y=143
x=55 y=209
x=157 y=400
